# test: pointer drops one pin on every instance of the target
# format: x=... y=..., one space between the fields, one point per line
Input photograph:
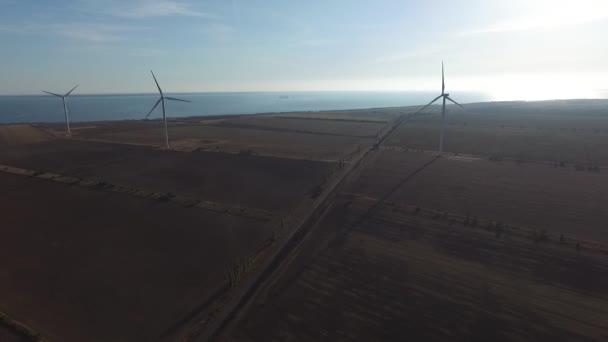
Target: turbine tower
x=162 y=100
x=445 y=96
x=65 y=107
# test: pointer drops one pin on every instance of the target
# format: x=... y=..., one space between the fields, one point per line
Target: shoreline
x=235 y=115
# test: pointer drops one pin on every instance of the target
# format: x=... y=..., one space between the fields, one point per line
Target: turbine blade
x=69 y=92
x=430 y=103
x=159 y=90
x=174 y=99
x=456 y=103
x=442 y=79
x=153 y=108
x=48 y=92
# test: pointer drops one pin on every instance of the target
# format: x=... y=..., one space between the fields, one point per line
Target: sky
x=511 y=50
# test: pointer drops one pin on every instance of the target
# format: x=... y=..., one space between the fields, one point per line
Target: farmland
x=310 y=226
x=249 y=181
x=554 y=131
x=559 y=200
x=87 y=265
x=108 y=263
x=321 y=138
x=372 y=272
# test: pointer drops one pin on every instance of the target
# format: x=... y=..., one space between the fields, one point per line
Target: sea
x=47 y=108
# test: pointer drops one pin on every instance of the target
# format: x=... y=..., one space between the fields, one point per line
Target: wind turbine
x=445 y=96
x=162 y=100
x=65 y=107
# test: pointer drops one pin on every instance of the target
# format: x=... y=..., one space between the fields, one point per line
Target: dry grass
x=11 y=135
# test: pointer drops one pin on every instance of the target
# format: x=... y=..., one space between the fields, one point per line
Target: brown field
x=323 y=139
x=374 y=114
x=86 y=265
x=358 y=263
x=560 y=200
x=268 y=183
x=11 y=135
x=396 y=277
x=548 y=131
x=6 y=335
x=337 y=127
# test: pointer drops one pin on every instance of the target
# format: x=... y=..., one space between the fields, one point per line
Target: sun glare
x=536 y=87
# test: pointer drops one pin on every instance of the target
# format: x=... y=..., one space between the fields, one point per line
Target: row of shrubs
x=498 y=227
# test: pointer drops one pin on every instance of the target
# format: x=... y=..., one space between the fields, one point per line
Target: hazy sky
x=517 y=49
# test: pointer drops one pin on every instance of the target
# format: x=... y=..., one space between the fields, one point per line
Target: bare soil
x=11 y=135
x=272 y=184
x=388 y=276
x=570 y=131
x=348 y=128
x=311 y=139
x=559 y=200
x=6 y=335
x=85 y=265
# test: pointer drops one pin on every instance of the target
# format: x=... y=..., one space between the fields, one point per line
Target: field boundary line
x=488 y=158
x=383 y=199
x=330 y=119
x=290 y=242
x=257 y=214
x=205 y=149
x=290 y=130
x=473 y=221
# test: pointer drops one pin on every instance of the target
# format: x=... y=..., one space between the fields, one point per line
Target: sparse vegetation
x=166 y=197
x=238 y=269
x=20 y=329
x=245 y=152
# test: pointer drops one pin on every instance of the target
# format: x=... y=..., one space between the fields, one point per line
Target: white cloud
x=154 y=8
x=92 y=33
x=87 y=32
x=548 y=14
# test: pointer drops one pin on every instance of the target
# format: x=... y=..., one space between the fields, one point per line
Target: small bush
x=166 y=197
x=498 y=232
x=236 y=272
x=540 y=236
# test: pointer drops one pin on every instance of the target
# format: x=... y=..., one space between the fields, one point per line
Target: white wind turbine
x=65 y=107
x=445 y=96
x=162 y=100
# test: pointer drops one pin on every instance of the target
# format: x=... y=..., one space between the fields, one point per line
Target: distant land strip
x=287 y=130
x=492 y=225
x=256 y=214
x=498 y=158
x=330 y=119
